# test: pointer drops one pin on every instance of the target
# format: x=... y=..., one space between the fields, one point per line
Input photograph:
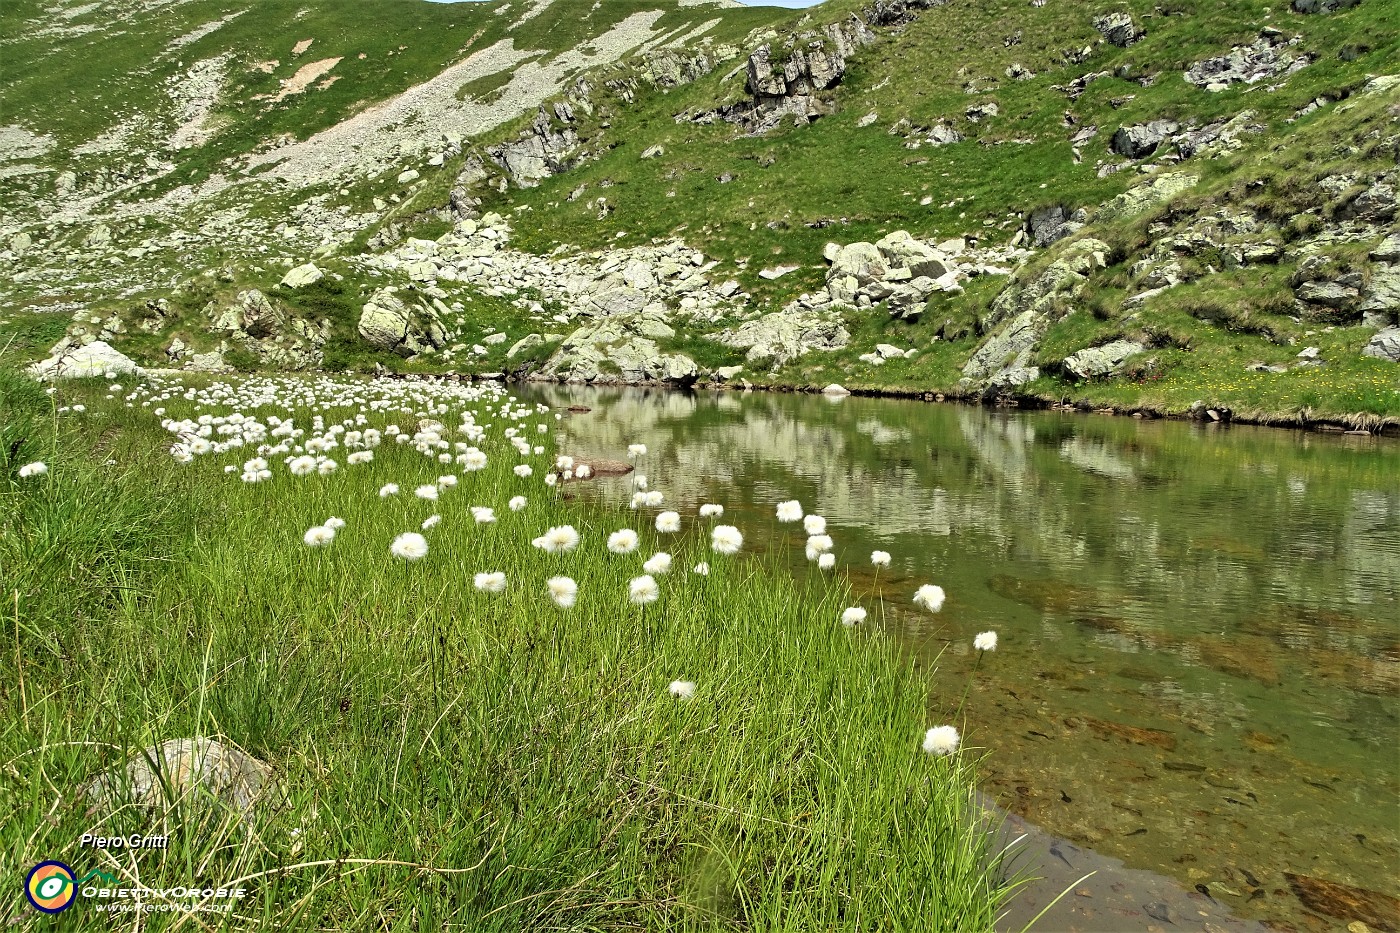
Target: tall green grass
x=447 y=758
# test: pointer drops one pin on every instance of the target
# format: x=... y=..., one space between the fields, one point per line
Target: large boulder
x=302 y=276
x=1385 y=345
x=97 y=359
x=1100 y=361
x=902 y=251
x=1118 y=29
x=1140 y=140
x=776 y=338
x=1144 y=197
x=387 y=323
x=1322 y=6
x=855 y=265
x=621 y=349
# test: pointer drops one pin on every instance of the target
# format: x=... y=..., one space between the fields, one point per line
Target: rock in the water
x=1140 y=140
x=96 y=359
x=1385 y=345
x=184 y=770
x=1099 y=361
x=302 y=276
x=836 y=388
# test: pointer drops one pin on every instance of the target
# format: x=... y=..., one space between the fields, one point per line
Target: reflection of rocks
x=1096 y=457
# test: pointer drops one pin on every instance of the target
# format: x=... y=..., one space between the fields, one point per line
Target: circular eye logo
x=51 y=887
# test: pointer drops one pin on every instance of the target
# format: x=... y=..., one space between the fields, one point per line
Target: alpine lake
x=1198 y=671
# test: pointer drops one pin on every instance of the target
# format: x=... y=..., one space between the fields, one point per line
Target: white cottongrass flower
x=639 y=481
x=985 y=641
x=359 y=456
x=930 y=597
x=563 y=538
x=37 y=468
x=335 y=523
x=484 y=515
x=668 y=522
x=472 y=460
x=660 y=562
x=563 y=591
x=790 y=511
x=431 y=521
x=639 y=499
x=826 y=561
x=583 y=471
x=302 y=466
x=880 y=558
x=702 y=568
x=427 y=491
x=517 y=503
x=522 y=470
x=230 y=468
x=726 y=539
x=819 y=544
x=941 y=740
x=682 y=689
x=636 y=450
x=490 y=582
x=551 y=478
x=652 y=499
x=447 y=482
x=388 y=489
x=711 y=510
x=318 y=536
x=326 y=467
x=853 y=616
x=623 y=542
x=409 y=546
x=643 y=590
x=814 y=525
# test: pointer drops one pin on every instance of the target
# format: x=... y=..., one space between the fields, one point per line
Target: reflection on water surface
x=1199 y=668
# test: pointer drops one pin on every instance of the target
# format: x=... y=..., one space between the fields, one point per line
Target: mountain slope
x=1135 y=205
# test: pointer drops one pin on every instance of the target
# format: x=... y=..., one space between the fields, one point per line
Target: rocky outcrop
x=1140 y=140
x=96 y=359
x=1385 y=345
x=621 y=349
x=899 y=270
x=302 y=276
x=782 y=336
x=1160 y=189
x=1048 y=225
x=1118 y=29
x=542 y=150
x=388 y=323
x=1323 y=6
x=1266 y=57
x=1100 y=361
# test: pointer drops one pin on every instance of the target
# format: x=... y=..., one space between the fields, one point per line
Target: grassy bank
x=445 y=755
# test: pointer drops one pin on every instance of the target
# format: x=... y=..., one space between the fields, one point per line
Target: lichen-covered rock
x=621 y=349
x=1140 y=140
x=1385 y=345
x=95 y=359
x=302 y=276
x=387 y=323
x=776 y=338
x=1144 y=197
x=183 y=771
x=1118 y=29
x=1100 y=361
x=1322 y=6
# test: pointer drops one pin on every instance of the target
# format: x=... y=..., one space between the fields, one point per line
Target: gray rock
x=1388 y=250
x=95 y=359
x=1328 y=294
x=184 y=771
x=1376 y=204
x=903 y=251
x=211 y=362
x=1046 y=225
x=386 y=323
x=777 y=272
x=781 y=336
x=528 y=342
x=407 y=176
x=1118 y=29
x=888 y=350
x=652 y=152
x=1322 y=6
x=1099 y=361
x=1264 y=58
x=1385 y=345
x=100 y=235
x=1008 y=349
x=1144 y=197
x=302 y=276
x=836 y=389
x=1140 y=140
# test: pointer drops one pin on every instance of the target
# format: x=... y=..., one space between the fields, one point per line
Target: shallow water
x=1199 y=660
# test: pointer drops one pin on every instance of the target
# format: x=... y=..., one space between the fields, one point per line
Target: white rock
x=94 y=359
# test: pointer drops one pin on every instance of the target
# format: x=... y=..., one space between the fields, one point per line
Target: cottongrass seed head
x=427 y=492
x=388 y=489
x=826 y=561
x=658 y=563
x=318 y=536
x=517 y=503
x=790 y=511
x=853 y=616
x=930 y=597
x=941 y=740
x=985 y=641
x=701 y=569
x=563 y=591
x=682 y=689
x=726 y=539
x=668 y=522
x=431 y=521
x=37 y=468
x=409 y=546
x=623 y=541
x=880 y=558
x=711 y=510
x=491 y=582
x=643 y=590
x=814 y=525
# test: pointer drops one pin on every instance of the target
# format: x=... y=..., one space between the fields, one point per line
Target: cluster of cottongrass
x=386 y=582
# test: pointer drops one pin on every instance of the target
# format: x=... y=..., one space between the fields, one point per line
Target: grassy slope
x=412 y=719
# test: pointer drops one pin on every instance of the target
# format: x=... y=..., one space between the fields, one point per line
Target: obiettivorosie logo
x=52 y=887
